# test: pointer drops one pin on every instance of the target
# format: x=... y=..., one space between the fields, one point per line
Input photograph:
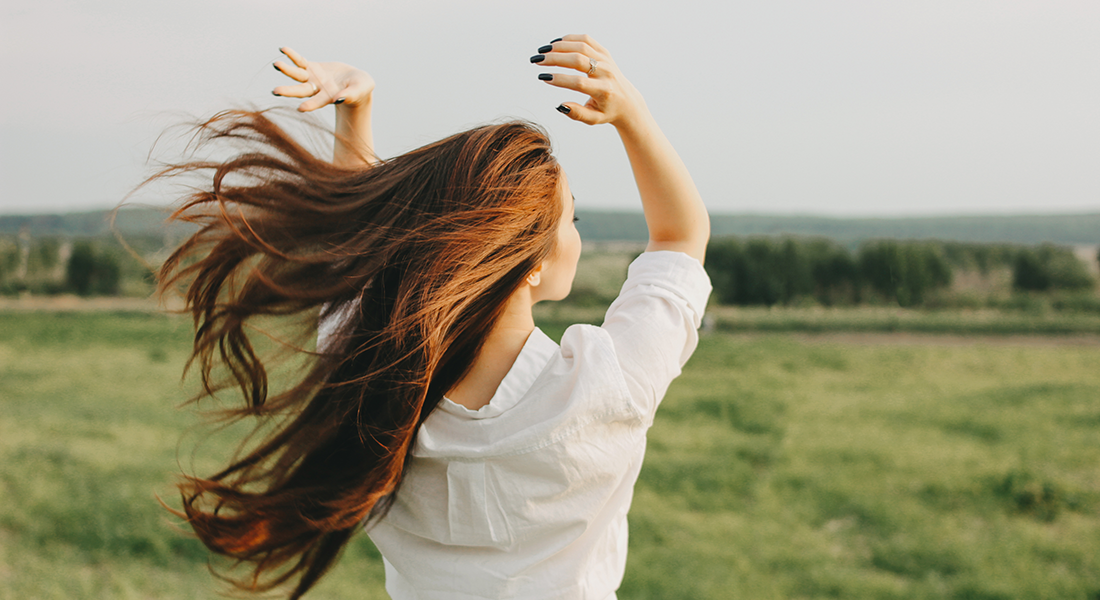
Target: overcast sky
x=846 y=108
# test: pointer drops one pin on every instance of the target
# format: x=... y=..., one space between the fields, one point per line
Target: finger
x=337 y=98
x=352 y=90
x=291 y=71
x=584 y=38
x=581 y=113
x=294 y=56
x=302 y=90
x=569 y=60
x=320 y=100
x=314 y=103
x=578 y=47
x=577 y=83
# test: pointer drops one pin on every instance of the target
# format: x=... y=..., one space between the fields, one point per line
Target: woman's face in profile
x=558 y=270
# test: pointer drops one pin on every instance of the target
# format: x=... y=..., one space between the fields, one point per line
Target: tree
x=91 y=272
x=725 y=263
x=9 y=265
x=107 y=275
x=904 y=271
x=834 y=272
x=768 y=271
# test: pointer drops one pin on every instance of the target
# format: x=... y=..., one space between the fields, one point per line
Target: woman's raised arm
x=350 y=89
x=674 y=212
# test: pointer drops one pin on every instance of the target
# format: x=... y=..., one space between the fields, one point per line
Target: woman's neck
x=502 y=346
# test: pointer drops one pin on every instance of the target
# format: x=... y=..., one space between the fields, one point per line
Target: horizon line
x=638 y=211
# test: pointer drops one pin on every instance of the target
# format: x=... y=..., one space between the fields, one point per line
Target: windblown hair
x=413 y=259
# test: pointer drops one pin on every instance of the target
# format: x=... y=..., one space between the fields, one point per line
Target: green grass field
x=780 y=466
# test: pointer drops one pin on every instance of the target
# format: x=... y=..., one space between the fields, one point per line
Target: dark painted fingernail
x=538 y=58
x=545 y=49
x=339 y=100
x=276 y=94
x=563 y=109
x=276 y=67
x=555 y=40
x=546 y=77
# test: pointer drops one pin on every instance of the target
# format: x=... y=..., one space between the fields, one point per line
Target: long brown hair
x=414 y=257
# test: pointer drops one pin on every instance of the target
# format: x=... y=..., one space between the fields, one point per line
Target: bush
x=30 y=264
x=1029 y=495
x=44 y=256
x=1049 y=267
x=1076 y=302
x=983 y=258
x=1023 y=302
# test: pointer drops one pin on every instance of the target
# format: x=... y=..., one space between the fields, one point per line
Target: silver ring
x=591 y=67
x=315 y=88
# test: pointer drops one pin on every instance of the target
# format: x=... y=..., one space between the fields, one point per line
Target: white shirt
x=527 y=497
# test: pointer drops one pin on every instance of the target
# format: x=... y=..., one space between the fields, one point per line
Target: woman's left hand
x=323 y=83
x=674 y=212
x=611 y=98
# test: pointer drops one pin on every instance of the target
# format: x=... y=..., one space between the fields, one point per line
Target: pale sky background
x=844 y=108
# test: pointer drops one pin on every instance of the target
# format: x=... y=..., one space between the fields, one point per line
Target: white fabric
x=527 y=497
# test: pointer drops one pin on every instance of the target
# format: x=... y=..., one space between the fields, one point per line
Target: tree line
x=783 y=271
x=744 y=270
x=52 y=265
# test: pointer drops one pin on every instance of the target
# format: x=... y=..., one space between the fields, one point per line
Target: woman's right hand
x=323 y=83
x=612 y=98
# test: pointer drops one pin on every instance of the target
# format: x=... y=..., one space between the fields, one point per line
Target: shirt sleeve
x=654 y=322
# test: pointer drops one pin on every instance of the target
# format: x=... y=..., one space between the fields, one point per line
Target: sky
x=841 y=108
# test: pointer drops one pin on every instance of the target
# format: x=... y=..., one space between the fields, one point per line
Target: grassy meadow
x=781 y=465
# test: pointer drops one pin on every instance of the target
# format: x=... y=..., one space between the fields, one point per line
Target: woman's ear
x=534 y=278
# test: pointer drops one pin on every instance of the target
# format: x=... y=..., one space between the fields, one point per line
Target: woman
x=485 y=460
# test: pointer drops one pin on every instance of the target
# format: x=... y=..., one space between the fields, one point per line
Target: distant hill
x=630 y=226
x=133 y=221
x=1018 y=229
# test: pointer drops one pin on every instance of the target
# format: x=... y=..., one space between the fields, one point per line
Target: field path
x=71 y=303
x=945 y=339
